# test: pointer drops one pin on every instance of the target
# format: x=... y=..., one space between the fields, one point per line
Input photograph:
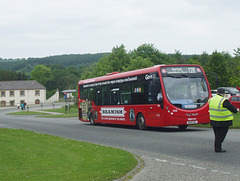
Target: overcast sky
x=40 y=28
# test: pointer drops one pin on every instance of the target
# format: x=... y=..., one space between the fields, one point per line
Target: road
x=169 y=154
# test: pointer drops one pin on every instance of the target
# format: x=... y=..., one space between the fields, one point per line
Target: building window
x=37 y=93
x=3 y=103
x=11 y=93
x=22 y=93
x=3 y=94
x=12 y=103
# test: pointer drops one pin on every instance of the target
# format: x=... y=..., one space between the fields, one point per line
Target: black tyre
x=92 y=120
x=141 y=122
x=182 y=127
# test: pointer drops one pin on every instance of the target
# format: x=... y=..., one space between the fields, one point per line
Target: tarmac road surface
x=169 y=154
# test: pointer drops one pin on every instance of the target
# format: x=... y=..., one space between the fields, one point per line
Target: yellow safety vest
x=217 y=111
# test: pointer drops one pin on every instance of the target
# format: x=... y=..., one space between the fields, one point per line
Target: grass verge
x=27 y=155
x=236 y=122
x=73 y=112
x=73 y=109
x=28 y=113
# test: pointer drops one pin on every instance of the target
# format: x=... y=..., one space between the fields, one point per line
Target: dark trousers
x=220 y=134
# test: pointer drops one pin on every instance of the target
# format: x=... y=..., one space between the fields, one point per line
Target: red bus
x=163 y=95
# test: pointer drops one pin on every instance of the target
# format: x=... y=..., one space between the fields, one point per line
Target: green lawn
x=28 y=113
x=73 y=109
x=26 y=155
x=236 y=120
x=72 y=112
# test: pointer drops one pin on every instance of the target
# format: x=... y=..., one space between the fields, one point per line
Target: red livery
x=163 y=95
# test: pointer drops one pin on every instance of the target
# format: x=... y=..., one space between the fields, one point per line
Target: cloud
x=32 y=28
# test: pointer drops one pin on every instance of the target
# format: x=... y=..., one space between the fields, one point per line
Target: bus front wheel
x=182 y=127
x=141 y=122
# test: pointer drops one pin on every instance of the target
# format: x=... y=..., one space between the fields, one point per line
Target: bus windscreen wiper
x=177 y=75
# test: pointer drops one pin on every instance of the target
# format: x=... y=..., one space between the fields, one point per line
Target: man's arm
x=227 y=104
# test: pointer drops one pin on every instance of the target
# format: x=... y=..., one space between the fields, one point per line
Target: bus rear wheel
x=182 y=127
x=141 y=122
x=91 y=120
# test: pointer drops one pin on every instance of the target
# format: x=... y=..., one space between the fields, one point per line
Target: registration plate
x=192 y=122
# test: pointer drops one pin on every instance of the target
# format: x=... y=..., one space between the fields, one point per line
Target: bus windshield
x=186 y=90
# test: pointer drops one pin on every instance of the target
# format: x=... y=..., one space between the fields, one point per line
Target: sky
x=41 y=28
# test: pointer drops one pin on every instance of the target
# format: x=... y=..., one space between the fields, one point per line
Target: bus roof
x=116 y=75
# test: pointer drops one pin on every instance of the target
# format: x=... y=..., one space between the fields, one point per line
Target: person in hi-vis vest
x=220 y=111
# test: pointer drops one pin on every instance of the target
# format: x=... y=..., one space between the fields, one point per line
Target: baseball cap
x=221 y=90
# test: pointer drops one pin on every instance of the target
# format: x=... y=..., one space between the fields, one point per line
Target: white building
x=54 y=97
x=68 y=94
x=16 y=92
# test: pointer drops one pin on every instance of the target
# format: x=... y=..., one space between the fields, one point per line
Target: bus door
x=155 y=100
x=154 y=114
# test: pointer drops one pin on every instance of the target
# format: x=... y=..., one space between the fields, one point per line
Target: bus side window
x=139 y=93
x=92 y=94
x=105 y=95
x=83 y=93
x=125 y=94
x=114 y=98
x=98 y=96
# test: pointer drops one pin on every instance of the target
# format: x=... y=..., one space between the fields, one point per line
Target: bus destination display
x=181 y=70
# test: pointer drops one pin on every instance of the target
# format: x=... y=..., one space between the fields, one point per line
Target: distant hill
x=27 y=65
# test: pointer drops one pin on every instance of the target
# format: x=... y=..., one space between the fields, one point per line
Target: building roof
x=21 y=85
x=69 y=91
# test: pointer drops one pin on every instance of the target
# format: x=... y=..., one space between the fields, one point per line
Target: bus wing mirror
x=160 y=99
x=161 y=102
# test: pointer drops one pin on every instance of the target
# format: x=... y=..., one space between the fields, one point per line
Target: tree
x=42 y=74
x=235 y=80
x=119 y=58
x=151 y=53
x=204 y=59
x=237 y=52
x=218 y=65
x=114 y=62
x=102 y=67
x=235 y=69
x=8 y=75
x=139 y=63
x=178 y=58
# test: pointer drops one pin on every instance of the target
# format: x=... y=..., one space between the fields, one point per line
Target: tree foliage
x=114 y=62
x=234 y=79
x=27 y=65
x=148 y=51
x=42 y=74
x=237 y=52
x=218 y=64
x=221 y=68
x=64 y=71
x=139 y=63
x=7 y=75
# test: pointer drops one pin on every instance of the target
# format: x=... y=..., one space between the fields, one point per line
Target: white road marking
x=161 y=160
x=197 y=167
x=181 y=164
x=193 y=166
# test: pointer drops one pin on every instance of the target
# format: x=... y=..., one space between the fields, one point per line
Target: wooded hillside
x=27 y=65
x=64 y=71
